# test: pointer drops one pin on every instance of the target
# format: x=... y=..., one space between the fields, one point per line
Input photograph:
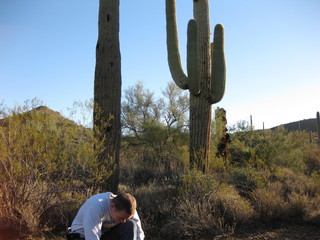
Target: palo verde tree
x=206 y=73
x=107 y=90
x=155 y=129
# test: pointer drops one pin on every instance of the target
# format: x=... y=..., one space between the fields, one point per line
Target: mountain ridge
x=307 y=125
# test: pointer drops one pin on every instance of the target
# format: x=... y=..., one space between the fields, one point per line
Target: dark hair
x=125 y=201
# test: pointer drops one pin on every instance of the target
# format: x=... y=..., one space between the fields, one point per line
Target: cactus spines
x=206 y=69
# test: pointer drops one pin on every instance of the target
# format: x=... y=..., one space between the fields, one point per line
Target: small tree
x=155 y=126
x=138 y=109
x=176 y=108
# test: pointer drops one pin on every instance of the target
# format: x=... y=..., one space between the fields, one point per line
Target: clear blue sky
x=47 y=50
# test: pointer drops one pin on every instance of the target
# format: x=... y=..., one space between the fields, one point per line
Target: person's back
x=107 y=216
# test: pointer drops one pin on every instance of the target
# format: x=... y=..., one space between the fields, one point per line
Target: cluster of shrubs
x=205 y=205
x=272 y=177
x=48 y=168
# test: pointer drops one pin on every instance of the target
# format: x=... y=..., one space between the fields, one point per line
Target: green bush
x=246 y=180
x=43 y=156
x=269 y=149
x=311 y=159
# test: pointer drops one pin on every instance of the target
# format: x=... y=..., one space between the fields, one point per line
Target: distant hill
x=46 y=110
x=43 y=110
x=54 y=116
x=308 y=125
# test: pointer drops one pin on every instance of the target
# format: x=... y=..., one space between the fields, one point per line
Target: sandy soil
x=293 y=232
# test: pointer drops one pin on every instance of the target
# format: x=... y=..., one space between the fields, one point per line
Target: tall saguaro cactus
x=206 y=76
x=107 y=91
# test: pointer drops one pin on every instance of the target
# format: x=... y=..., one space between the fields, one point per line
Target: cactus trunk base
x=200 y=123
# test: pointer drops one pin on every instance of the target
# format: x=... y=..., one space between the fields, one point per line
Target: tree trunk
x=107 y=90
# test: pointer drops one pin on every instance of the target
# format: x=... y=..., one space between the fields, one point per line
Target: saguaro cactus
x=206 y=73
x=107 y=91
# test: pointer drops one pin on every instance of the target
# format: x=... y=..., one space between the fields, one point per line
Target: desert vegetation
x=49 y=167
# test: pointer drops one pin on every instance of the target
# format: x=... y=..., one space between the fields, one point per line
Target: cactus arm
x=218 y=65
x=193 y=58
x=174 y=61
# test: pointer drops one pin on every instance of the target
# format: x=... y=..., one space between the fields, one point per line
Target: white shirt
x=94 y=213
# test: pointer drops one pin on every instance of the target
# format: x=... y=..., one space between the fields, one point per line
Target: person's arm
x=140 y=233
x=92 y=224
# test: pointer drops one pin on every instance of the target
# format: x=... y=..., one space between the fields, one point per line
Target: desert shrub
x=298 y=205
x=155 y=155
x=155 y=206
x=213 y=214
x=206 y=207
x=60 y=217
x=232 y=206
x=314 y=211
x=301 y=192
x=288 y=147
x=269 y=202
x=240 y=151
x=290 y=196
x=42 y=157
x=196 y=185
x=141 y=164
x=199 y=219
x=295 y=182
x=217 y=165
x=292 y=159
x=246 y=180
x=311 y=159
x=269 y=149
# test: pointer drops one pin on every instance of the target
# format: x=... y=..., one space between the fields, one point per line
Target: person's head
x=122 y=207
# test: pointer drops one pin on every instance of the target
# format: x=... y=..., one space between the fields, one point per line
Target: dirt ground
x=292 y=232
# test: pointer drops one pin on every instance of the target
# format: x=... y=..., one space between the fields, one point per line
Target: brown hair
x=125 y=201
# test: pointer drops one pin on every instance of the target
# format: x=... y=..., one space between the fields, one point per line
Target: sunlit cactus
x=206 y=73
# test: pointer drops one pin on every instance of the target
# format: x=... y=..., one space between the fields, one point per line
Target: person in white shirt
x=106 y=216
